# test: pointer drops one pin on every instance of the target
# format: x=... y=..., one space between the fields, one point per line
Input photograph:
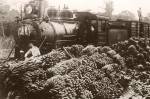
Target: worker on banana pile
x=32 y=52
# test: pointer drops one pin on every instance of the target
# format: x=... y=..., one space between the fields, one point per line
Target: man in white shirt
x=32 y=52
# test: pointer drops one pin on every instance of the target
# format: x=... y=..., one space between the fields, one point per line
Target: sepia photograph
x=74 y=49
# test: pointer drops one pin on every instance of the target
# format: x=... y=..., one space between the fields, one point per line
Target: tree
x=6 y=15
x=3 y=11
x=4 y=8
x=2 y=2
x=109 y=8
x=126 y=15
x=147 y=18
x=12 y=14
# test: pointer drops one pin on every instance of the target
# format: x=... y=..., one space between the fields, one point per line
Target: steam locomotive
x=61 y=28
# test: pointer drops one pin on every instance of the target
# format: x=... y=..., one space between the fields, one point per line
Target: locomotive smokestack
x=21 y=13
x=40 y=8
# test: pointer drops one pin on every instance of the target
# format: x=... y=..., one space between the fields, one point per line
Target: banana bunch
x=64 y=67
x=89 y=50
x=76 y=50
x=23 y=67
x=49 y=60
x=4 y=71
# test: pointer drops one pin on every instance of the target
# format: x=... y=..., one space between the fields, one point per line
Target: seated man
x=32 y=52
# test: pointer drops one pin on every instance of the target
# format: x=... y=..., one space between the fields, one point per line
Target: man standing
x=32 y=52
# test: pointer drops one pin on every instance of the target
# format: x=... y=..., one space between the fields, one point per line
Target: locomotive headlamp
x=28 y=9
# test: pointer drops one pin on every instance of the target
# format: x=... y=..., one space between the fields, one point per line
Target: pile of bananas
x=135 y=52
x=92 y=73
x=97 y=82
x=30 y=74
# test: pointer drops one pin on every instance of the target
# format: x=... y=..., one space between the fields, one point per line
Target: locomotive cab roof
x=80 y=16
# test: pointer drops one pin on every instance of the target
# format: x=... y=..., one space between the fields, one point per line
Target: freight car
x=121 y=30
x=108 y=32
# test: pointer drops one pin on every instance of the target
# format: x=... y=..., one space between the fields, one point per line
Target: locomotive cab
x=92 y=29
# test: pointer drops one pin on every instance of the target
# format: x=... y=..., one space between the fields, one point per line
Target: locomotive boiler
x=45 y=34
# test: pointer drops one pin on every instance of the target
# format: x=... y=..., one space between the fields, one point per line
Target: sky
x=93 y=5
